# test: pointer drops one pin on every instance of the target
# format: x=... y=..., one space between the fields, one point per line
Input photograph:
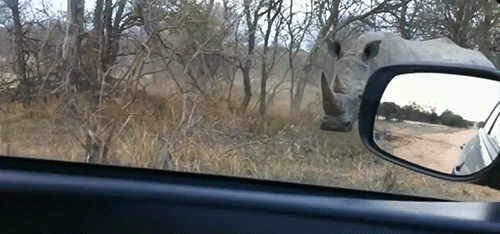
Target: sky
x=470 y=97
x=61 y=5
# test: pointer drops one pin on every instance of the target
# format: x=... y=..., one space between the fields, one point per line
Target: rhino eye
x=360 y=96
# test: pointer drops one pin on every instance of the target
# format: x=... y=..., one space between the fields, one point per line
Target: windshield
x=222 y=86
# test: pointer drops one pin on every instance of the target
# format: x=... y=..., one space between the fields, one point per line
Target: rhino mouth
x=339 y=123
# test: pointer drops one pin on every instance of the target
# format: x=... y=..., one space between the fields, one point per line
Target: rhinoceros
x=370 y=51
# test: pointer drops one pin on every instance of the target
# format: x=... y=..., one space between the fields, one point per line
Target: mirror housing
x=480 y=125
x=373 y=93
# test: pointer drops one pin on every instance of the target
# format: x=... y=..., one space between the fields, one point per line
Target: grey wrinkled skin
x=340 y=123
x=353 y=67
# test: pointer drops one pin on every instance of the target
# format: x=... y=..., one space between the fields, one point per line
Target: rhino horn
x=339 y=87
x=331 y=101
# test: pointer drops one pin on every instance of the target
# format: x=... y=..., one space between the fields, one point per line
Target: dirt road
x=438 y=151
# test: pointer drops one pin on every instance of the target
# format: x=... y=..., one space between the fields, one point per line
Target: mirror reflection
x=447 y=123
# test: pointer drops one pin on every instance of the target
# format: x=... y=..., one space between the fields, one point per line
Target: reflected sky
x=470 y=97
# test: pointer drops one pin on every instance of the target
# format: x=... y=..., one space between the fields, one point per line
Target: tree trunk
x=405 y=34
x=300 y=86
x=107 y=58
x=290 y=57
x=252 y=28
x=71 y=45
x=24 y=87
x=263 y=89
x=274 y=6
x=98 y=17
x=246 y=85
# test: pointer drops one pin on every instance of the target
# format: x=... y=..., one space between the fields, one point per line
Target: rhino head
x=352 y=70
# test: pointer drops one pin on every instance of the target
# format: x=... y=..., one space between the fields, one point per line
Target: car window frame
x=492 y=145
x=496 y=108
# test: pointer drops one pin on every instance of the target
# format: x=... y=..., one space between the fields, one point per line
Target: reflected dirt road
x=427 y=147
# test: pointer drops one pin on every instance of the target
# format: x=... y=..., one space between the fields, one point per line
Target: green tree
x=389 y=110
x=434 y=118
x=450 y=119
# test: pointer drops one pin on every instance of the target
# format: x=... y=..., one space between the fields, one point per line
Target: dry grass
x=208 y=135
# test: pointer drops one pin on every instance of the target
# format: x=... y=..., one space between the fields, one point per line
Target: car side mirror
x=441 y=120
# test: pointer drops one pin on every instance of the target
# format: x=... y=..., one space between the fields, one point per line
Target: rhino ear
x=334 y=48
x=371 y=50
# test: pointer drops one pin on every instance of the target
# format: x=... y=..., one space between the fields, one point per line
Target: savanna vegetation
x=221 y=87
x=414 y=112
